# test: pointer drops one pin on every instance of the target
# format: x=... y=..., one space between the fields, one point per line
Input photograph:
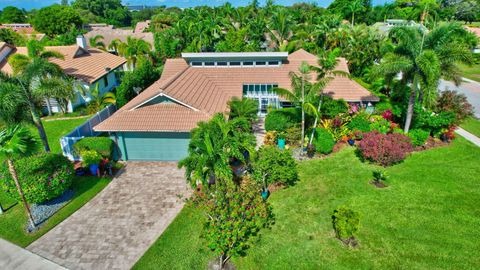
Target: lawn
x=472 y=125
x=471 y=72
x=13 y=221
x=55 y=129
x=428 y=217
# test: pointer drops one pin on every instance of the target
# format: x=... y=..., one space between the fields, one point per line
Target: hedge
x=282 y=119
x=103 y=145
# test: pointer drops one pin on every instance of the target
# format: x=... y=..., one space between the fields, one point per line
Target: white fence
x=82 y=131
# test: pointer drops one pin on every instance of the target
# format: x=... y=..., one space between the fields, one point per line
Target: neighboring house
x=156 y=124
x=109 y=33
x=25 y=29
x=385 y=27
x=89 y=66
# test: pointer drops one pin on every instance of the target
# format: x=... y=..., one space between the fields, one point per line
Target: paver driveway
x=114 y=229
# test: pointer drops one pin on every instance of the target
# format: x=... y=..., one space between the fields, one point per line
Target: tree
x=56 y=20
x=114 y=45
x=213 y=145
x=33 y=77
x=133 y=49
x=300 y=94
x=12 y=14
x=97 y=42
x=354 y=7
x=423 y=58
x=11 y=37
x=245 y=107
x=97 y=101
x=17 y=142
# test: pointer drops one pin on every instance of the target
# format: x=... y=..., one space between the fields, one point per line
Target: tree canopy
x=56 y=20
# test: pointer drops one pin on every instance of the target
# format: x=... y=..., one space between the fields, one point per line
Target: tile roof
x=110 y=34
x=207 y=90
x=475 y=30
x=87 y=65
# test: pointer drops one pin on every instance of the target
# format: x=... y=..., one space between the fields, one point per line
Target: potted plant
x=311 y=150
x=91 y=159
x=281 y=140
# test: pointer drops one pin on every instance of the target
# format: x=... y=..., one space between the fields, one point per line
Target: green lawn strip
x=471 y=125
x=180 y=246
x=426 y=218
x=57 y=128
x=471 y=72
x=13 y=221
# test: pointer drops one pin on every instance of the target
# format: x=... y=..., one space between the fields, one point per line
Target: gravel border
x=42 y=212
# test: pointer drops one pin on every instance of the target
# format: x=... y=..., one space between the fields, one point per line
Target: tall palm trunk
x=353 y=19
x=316 y=119
x=41 y=130
x=303 y=114
x=13 y=172
x=411 y=105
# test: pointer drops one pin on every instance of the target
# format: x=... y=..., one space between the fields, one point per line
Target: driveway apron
x=115 y=228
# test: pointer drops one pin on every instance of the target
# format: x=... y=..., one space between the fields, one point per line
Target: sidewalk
x=13 y=257
x=469 y=136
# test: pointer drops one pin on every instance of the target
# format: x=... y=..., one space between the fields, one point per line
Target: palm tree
x=97 y=101
x=355 y=6
x=34 y=76
x=133 y=49
x=326 y=72
x=301 y=93
x=114 y=44
x=245 y=107
x=214 y=144
x=17 y=142
x=97 y=42
x=423 y=58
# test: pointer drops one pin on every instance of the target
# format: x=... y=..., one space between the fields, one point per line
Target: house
x=110 y=33
x=385 y=27
x=89 y=66
x=156 y=124
x=25 y=29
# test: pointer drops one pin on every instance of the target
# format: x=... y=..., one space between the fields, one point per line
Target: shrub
x=331 y=108
x=293 y=136
x=380 y=176
x=43 y=177
x=418 y=136
x=141 y=77
x=359 y=122
x=270 y=138
x=90 y=157
x=431 y=121
x=381 y=125
x=346 y=222
x=324 y=141
x=451 y=101
x=282 y=119
x=103 y=145
x=278 y=166
x=385 y=149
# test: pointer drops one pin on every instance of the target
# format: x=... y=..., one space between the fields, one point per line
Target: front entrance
x=262 y=93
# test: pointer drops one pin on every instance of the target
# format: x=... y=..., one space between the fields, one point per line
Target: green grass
x=471 y=125
x=14 y=220
x=471 y=72
x=55 y=129
x=428 y=217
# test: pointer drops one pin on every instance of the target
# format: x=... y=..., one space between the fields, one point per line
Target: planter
x=351 y=142
x=281 y=143
x=93 y=169
x=265 y=194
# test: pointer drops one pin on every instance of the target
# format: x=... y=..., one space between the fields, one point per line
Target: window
x=209 y=64
x=105 y=81
x=235 y=64
x=261 y=63
x=197 y=64
x=248 y=63
x=222 y=64
x=273 y=63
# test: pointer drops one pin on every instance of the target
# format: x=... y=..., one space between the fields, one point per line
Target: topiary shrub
x=323 y=141
x=418 y=136
x=385 y=149
x=331 y=107
x=346 y=223
x=103 y=145
x=277 y=166
x=43 y=177
x=282 y=119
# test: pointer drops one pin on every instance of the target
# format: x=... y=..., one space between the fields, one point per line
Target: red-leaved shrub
x=385 y=149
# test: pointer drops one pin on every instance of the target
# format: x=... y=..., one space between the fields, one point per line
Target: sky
x=29 y=4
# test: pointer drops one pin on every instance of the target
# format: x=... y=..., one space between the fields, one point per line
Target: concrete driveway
x=115 y=228
x=470 y=89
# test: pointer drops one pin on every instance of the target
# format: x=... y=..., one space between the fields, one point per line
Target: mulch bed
x=378 y=184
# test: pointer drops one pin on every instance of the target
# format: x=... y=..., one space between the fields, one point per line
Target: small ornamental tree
x=346 y=223
x=235 y=213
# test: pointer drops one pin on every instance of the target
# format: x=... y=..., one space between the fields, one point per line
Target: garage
x=152 y=146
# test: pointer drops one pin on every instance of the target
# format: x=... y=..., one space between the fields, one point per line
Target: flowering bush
x=381 y=125
x=385 y=149
x=388 y=115
x=451 y=101
x=43 y=177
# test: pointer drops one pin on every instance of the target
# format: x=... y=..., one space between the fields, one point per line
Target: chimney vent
x=81 y=41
